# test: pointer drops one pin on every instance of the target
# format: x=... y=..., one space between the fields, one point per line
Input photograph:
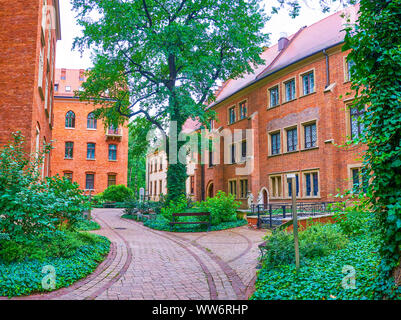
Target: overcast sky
x=281 y=22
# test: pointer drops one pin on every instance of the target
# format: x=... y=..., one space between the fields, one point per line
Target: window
x=292 y=139
x=243 y=112
x=275 y=143
x=161 y=165
x=111 y=179
x=289 y=186
x=90 y=181
x=357 y=126
x=243 y=184
x=274 y=96
x=290 y=90
x=68 y=88
x=68 y=175
x=211 y=124
x=69 y=150
x=233 y=153
x=192 y=184
x=232 y=187
x=91 y=121
x=231 y=113
x=243 y=150
x=275 y=186
x=56 y=87
x=310 y=136
x=308 y=83
x=90 y=153
x=70 y=119
x=150 y=188
x=350 y=65
x=160 y=186
x=113 y=130
x=113 y=152
x=358 y=180
x=311 y=184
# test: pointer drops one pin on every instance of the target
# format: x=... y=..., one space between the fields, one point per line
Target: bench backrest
x=191 y=214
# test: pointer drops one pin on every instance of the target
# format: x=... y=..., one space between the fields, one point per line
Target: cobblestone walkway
x=149 y=264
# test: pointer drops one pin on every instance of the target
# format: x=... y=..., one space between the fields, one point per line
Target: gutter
x=327 y=68
x=269 y=74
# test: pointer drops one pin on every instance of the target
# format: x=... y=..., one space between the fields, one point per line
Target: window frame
x=302 y=77
x=232 y=182
x=86 y=180
x=276 y=183
x=69 y=148
x=234 y=114
x=269 y=96
x=243 y=193
x=115 y=152
x=294 y=140
x=90 y=150
x=270 y=144
x=303 y=133
x=70 y=120
x=312 y=183
x=284 y=88
x=108 y=179
x=243 y=116
x=91 y=120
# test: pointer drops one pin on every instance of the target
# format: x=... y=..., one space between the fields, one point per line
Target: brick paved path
x=149 y=264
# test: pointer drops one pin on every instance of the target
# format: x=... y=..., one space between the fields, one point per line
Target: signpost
x=291 y=177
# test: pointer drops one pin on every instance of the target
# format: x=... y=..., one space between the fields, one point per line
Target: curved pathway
x=149 y=264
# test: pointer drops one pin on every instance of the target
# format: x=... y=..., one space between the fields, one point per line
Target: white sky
x=281 y=22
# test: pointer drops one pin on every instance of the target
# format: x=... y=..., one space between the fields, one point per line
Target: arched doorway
x=265 y=199
x=210 y=191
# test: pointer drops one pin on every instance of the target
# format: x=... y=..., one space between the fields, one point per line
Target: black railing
x=272 y=215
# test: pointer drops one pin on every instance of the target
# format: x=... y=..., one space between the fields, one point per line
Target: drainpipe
x=327 y=68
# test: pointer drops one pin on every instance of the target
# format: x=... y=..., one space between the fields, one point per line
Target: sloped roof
x=306 y=42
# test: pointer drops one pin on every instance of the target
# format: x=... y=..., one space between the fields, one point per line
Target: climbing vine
x=375 y=41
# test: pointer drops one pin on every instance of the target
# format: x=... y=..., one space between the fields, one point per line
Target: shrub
x=222 y=207
x=316 y=241
x=352 y=219
x=174 y=207
x=118 y=193
x=31 y=206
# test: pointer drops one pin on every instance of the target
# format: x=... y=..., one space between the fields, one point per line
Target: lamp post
x=292 y=178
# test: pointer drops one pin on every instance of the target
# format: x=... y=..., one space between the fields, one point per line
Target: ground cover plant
x=338 y=261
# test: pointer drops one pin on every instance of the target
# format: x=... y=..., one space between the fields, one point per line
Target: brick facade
x=102 y=165
x=322 y=111
x=28 y=34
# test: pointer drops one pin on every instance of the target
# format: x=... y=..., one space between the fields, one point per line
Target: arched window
x=92 y=122
x=70 y=119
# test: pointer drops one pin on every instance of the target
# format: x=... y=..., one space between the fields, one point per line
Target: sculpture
x=250 y=200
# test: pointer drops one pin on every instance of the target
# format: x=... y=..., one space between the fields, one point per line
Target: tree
x=161 y=59
x=138 y=146
x=376 y=78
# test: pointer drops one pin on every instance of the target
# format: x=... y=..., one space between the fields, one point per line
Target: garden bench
x=263 y=250
x=191 y=214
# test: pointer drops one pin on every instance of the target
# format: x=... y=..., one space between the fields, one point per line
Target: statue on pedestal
x=250 y=200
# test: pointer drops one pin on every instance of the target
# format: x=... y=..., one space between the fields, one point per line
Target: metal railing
x=272 y=215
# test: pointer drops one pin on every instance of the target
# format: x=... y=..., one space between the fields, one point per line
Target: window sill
x=289 y=152
x=237 y=121
x=116 y=161
x=313 y=148
x=69 y=128
x=284 y=102
x=308 y=94
x=274 y=155
x=273 y=107
x=68 y=158
x=90 y=159
x=91 y=129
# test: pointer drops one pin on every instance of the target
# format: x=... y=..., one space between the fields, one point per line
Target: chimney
x=283 y=41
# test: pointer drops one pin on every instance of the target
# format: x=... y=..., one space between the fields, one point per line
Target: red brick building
x=84 y=150
x=298 y=112
x=28 y=34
